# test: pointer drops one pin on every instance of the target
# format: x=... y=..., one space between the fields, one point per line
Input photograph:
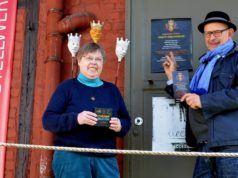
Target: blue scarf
x=201 y=79
x=89 y=82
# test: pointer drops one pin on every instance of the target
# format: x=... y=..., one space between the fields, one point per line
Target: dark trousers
x=217 y=167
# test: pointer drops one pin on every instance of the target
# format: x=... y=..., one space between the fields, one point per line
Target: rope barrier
x=119 y=151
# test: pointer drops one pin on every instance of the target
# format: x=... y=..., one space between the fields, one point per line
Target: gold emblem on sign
x=171 y=25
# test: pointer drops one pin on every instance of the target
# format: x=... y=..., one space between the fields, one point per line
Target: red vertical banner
x=7 y=33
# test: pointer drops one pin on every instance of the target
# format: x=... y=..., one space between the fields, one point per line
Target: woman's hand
x=169 y=65
x=87 y=118
x=115 y=124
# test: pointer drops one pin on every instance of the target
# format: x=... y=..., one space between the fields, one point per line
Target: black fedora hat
x=216 y=16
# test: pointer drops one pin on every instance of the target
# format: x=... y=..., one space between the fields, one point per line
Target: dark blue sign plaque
x=171 y=35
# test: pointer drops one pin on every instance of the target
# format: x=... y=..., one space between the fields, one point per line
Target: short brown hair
x=89 y=48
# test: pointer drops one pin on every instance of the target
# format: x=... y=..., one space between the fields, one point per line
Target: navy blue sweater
x=72 y=97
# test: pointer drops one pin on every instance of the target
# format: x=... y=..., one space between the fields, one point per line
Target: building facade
x=42 y=60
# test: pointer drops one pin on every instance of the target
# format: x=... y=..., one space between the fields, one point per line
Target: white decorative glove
x=73 y=43
x=121 y=48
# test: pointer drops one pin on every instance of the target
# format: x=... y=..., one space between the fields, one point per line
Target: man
x=213 y=99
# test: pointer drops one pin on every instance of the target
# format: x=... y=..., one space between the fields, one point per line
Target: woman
x=71 y=116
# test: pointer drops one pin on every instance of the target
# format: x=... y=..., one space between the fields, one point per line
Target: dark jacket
x=189 y=136
x=219 y=106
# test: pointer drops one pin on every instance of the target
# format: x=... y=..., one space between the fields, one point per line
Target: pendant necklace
x=92 y=98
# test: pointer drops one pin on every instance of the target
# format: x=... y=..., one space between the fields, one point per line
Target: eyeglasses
x=216 y=33
x=91 y=58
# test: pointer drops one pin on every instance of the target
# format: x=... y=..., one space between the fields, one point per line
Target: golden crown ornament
x=96 y=30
